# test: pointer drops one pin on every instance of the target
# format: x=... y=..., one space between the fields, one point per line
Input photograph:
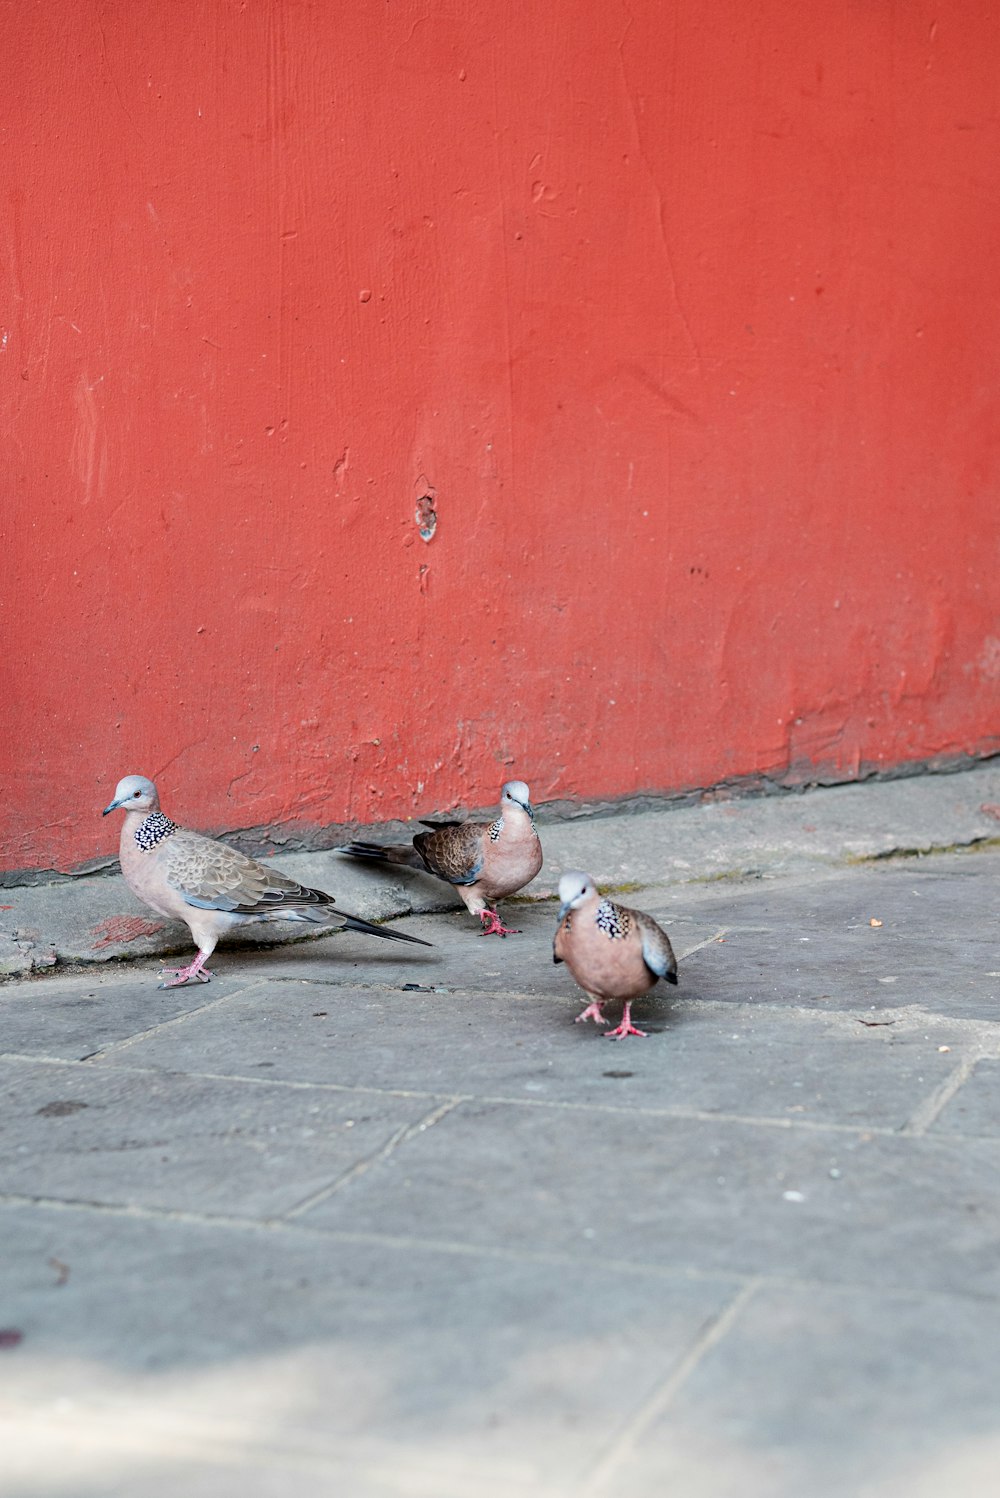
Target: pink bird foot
x=494 y=926
x=592 y=1011
x=195 y=970
x=625 y=1028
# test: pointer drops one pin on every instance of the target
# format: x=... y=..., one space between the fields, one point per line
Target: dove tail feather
x=397 y=853
x=671 y=978
x=355 y=923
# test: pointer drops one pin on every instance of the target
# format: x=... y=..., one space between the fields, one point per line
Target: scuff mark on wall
x=89 y=451
x=823 y=742
x=659 y=202
x=989 y=659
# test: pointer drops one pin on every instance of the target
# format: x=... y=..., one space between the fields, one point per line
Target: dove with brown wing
x=485 y=861
x=210 y=886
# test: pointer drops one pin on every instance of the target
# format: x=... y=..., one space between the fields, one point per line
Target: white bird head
x=517 y=792
x=134 y=793
x=574 y=888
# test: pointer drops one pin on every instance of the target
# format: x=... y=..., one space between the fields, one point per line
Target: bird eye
x=137 y=793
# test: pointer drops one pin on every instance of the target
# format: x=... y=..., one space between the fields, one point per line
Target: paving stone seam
x=290 y=1083
x=114 y=1046
x=705 y=1115
x=658 y=1402
x=927 y=1112
x=41 y=1060
x=690 y=951
x=361 y=1167
x=908 y=1014
x=585 y=1262
x=457 y=1249
x=360 y=986
x=19 y=1201
x=447 y=1102
x=909 y=1017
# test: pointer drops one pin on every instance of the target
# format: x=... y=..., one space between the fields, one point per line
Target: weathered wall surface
x=685 y=317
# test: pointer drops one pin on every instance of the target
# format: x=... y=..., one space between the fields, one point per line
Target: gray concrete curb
x=96 y=919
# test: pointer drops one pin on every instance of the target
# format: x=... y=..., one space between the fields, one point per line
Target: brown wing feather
x=454 y=852
x=213 y=876
x=557 y=940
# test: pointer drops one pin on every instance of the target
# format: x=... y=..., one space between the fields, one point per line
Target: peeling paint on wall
x=426 y=513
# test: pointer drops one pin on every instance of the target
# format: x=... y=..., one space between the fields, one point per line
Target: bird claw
x=494 y=926
x=623 y=1030
x=185 y=975
x=592 y=1011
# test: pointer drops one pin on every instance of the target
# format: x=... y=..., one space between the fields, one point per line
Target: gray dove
x=485 y=861
x=613 y=952
x=212 y=887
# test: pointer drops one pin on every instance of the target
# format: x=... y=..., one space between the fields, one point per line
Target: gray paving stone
x=375 y=1370
x=713 y=1058
x=98 y=1135
x=693 y=1194
x=811 y=941
x=975 y=1107
x=813 y=1069
x=831 y=1393
x=780 y=834
x=74 y=1017
x=525 y=1295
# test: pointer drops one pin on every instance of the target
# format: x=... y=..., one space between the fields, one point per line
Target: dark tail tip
x=355 y=923
x=672 y=978
x=362 y=850
x=402 y=936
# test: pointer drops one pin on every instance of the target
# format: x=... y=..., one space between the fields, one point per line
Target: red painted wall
x=688 y=314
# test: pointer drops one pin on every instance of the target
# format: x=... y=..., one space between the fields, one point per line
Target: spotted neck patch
x=153 y=830
x=494 y=830
x=612 y=920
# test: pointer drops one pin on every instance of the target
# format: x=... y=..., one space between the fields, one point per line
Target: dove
x=613 y=952
x=210 y=886
x=485 y=861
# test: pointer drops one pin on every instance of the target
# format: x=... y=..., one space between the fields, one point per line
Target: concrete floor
x=305 y=1231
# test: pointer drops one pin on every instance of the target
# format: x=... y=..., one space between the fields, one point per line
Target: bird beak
x=564 y=911
x=112 y=807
